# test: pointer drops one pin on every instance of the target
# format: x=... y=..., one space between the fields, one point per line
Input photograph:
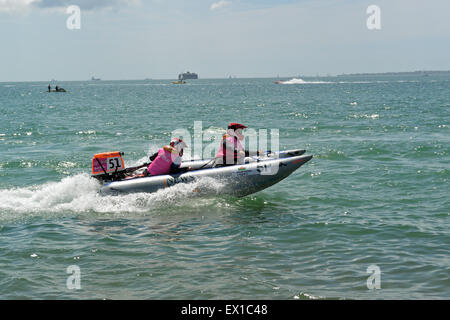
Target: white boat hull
x=236 y=180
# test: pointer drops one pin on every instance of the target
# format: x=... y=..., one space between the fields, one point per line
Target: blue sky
x=137 y=39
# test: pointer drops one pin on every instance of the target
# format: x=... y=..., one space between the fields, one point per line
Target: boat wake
x=301 y=81
x=80 y=194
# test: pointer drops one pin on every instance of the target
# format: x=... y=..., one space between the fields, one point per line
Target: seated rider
x=168 y=159
x=231 y=151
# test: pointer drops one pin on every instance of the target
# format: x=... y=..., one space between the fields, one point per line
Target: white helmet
x=178 y=144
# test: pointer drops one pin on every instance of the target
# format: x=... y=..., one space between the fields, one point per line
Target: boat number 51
x=114 y=163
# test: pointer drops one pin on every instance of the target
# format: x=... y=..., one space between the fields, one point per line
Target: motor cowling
x=108 y=166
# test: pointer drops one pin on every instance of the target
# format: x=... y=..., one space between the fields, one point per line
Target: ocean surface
x=376 y=195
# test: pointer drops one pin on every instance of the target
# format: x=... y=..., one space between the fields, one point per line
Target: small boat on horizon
x=57 y=89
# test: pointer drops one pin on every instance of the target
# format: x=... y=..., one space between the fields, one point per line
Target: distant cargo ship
x=95 y=79
x=187 y=75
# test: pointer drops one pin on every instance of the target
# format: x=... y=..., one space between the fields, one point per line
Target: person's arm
x=175 y=168
x=228 y=146
x=231 y=148
x=153 y=157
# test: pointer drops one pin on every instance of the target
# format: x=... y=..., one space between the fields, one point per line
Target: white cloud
x=219 y=5
x=15 y=6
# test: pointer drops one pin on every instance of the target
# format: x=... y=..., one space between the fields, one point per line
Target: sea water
x=374 y=197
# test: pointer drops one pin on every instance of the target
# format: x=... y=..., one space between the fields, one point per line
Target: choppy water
x=375 y=193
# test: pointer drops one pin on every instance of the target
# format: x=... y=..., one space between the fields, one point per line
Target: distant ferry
x=187 y=75
x=95 y=79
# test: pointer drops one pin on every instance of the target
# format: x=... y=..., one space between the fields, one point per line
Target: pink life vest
x=161 y=165
x=232 y=143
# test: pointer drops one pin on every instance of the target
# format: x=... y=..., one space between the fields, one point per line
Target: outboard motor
x=108 y=166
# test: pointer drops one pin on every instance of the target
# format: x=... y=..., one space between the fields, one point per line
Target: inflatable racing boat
x=256 y=174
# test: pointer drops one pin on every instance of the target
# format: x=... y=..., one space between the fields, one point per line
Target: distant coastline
x=405 y=73
x=420 y=72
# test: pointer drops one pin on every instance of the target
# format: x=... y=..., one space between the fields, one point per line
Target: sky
x=158 y=39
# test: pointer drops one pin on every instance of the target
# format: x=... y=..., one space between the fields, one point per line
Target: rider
x=168 y=159
x=231 y=151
